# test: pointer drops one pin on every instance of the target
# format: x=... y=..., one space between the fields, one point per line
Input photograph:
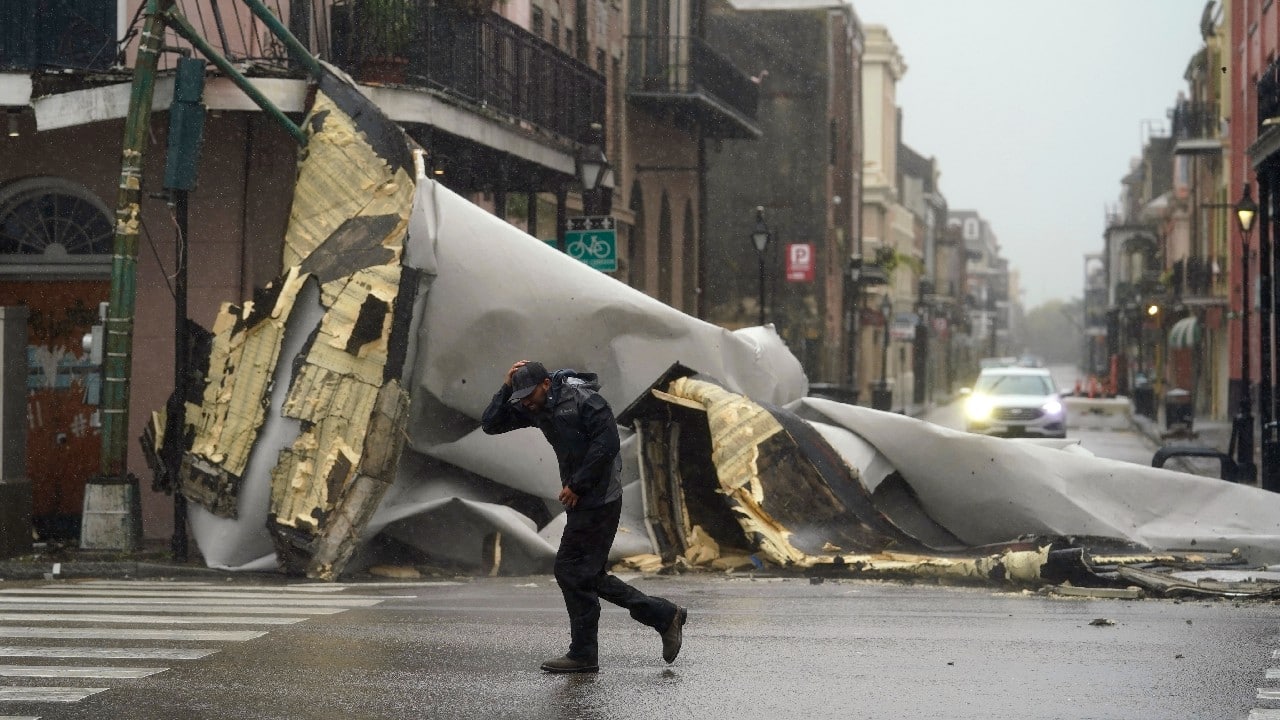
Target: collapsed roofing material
x=713 y=459
x=331 y=441
x=393 y=281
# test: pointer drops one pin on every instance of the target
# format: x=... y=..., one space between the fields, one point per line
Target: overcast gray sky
x=1034 y=109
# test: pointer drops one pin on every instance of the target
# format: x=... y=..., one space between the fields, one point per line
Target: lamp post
x=1242 y=427
x=760 y=238
x=855 y=278
x=593 y=168
x=881 y=397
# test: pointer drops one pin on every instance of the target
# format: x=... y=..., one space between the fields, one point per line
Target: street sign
x=593 y=239
x=800 y=262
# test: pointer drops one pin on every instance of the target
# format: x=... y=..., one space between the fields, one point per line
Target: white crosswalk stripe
x=105 y=653
x=45 y=633
x=148 y=619
x=287 y=598
x=47 y=694
x=116 y=612
x=76 y=671
x=209 y=600
x=176 y=608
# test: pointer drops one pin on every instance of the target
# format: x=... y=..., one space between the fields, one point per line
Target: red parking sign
x=800 y=262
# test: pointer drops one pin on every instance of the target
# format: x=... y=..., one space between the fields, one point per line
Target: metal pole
x=884 y=355
x=124 y=262
x=1243 y=429
x=177 y=413
x=760 y=256
x=1270 y=472
x=183 y=28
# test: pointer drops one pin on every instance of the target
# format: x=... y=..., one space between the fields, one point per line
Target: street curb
x=84 y=569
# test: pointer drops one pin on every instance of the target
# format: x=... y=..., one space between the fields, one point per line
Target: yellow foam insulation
x=738 y=426
x=701 y=548
x=1015 y=566
x=241 y=365
x=336 y=387
x=341 y=177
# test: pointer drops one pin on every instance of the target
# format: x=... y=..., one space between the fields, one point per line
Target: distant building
x=805 y=57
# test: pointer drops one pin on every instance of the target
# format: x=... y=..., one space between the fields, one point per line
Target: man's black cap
x=524 y=380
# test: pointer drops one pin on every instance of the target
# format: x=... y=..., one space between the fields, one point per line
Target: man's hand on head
x=518 y=364
x=568 y=498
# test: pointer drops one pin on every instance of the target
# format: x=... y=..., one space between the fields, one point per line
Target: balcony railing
x=1195 y=121
x=1268 y=94
x=479 y=58
x=685 y=70
x=58 y=34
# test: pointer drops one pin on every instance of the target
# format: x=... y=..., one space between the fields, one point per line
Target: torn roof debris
x=340 y=422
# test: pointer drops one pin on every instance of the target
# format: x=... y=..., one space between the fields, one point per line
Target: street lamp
x=855 y=320
x=1242 y=428
x=881 y=398
x=593 y=169
x=760 y=238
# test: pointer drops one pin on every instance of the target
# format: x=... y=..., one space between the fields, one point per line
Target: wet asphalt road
x=762 y=648
x=755 y=648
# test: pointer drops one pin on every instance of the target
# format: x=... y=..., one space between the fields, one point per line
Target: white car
x=1015 y=402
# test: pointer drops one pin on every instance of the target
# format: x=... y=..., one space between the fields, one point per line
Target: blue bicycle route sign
x=593 y=239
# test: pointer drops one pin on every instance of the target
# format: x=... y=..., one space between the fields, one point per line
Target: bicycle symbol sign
x=594 y=241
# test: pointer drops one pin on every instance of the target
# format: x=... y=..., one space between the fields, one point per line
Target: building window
x=555 y=32
x=601 y=61
x=52 y=221
x=537 y=24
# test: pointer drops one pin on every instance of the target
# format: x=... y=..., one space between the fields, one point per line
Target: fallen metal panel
x=1169 y=585
x=344 y=409
x=795 y=500
x=989 y=490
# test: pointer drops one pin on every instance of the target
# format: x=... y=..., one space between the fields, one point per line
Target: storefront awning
x=1185 y=333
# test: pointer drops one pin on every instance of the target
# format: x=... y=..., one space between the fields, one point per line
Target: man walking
x=567 y=407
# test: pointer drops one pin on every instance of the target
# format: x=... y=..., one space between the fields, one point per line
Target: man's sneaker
x=566 y=664
x=672 y=637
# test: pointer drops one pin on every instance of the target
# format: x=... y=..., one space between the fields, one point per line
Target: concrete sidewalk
x=1204 y=433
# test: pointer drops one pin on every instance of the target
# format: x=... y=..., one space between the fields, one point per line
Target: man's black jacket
x=580 y=426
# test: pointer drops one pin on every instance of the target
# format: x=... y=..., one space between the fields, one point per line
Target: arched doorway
x=55 y=258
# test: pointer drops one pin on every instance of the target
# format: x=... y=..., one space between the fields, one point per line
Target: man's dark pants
x=580 y=572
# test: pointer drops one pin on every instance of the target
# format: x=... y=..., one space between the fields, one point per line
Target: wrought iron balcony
x=1269 y=96
x=58 y=34
x=684 y=74
x=1196 y=128
x=473 y=55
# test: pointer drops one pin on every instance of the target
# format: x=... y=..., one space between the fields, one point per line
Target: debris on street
x=338 y=427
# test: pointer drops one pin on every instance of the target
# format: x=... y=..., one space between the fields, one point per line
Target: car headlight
x=978 y=407
x=1053 y=407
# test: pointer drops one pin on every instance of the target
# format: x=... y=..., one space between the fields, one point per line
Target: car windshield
x=1013 y=385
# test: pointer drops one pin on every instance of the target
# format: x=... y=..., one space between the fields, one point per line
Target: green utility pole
x=114 y=492
x=112 y=517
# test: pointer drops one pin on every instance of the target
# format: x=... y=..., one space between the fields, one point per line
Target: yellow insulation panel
x=241 y=366
x=341 y=177
x=738 y=426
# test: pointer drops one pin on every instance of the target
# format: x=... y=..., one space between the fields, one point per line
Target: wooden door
x=64 y=445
